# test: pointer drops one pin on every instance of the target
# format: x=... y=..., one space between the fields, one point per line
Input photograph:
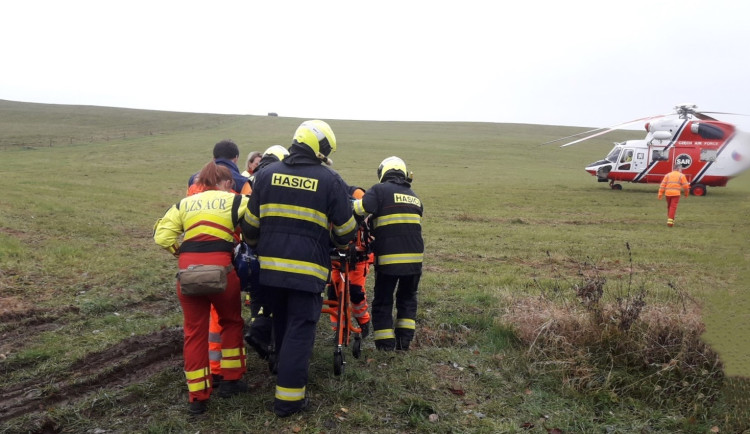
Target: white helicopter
x=710 y=151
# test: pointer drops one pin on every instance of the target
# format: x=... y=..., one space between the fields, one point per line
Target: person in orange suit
x=672 y=186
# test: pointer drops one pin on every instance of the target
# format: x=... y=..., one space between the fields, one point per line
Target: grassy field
x=548 y=301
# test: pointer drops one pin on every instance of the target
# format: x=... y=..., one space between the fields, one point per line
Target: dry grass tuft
x=623 y=348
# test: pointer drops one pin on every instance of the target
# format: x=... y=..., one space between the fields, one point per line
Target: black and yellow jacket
x=396 y=222
x=297 y=209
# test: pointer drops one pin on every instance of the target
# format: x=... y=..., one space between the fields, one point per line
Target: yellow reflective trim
x=231 y=352
x=359 y=209
x=196 y=387
x=347 y=227
x=224 y=233
x=393 y=219
x=384 y=334
x=401 y=258
x=405 y=323
x=292 y=266
x=294 y=212
x=231 y=363
x=290 y=394
x=198 y=373
x=252 y=219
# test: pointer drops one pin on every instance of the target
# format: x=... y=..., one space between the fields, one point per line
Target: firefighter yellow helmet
x=318 y=136
x=278 y=151
x=391 y=163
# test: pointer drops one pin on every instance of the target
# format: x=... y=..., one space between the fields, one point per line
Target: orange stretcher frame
x=347 y=328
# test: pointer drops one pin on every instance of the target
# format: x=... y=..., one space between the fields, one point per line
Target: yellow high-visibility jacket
x=207 y=219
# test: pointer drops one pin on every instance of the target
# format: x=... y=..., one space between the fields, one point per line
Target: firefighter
x=208 y=221
x=396 y=222
x=363 y=258
x=259 y=331
x=298 y=208
x=671 y=186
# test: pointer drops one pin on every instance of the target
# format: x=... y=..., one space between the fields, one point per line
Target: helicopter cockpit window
x=627 y=156
x=659 y=155
x=614 y=155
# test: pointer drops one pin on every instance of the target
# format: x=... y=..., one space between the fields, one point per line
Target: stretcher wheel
x=357 y=347
x=338 y=362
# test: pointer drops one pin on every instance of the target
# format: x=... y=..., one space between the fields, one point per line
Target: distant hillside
x=34 y=125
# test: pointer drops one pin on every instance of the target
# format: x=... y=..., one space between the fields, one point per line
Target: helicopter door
x=639 y=160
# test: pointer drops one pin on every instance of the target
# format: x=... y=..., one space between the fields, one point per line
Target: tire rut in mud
x=130 y=361
x=17 y=327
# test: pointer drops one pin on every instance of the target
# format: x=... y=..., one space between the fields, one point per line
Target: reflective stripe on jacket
x=396 y=223
x=207 y=219
x=296 y=210
x=673 y=183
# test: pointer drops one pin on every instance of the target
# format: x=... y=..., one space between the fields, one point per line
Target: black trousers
x=405 y=288
x=295 y=318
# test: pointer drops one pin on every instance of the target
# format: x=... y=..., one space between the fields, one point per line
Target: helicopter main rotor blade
x=610 y=129
x=571 y=136
x=702 y=115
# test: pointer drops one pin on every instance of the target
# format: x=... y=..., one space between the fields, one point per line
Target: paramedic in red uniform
x=208 y=221
x=225 y=154
x=298 y=207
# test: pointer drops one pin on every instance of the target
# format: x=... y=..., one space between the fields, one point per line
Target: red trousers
x=196 y=312
x=672 y=206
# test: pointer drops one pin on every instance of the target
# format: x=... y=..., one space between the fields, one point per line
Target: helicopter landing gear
x=698 y=190
x=614 y=186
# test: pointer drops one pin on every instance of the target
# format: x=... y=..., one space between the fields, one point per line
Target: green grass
x=507 y=224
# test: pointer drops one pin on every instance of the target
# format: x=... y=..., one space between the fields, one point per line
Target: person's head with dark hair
x=226 y=149
x=215 y=177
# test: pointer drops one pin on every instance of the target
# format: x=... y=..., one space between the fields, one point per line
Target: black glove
x=351 y=255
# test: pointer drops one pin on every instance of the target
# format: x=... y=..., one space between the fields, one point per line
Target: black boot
x=402 y=343
x=365 y=329
x=231 y=388
x=197 y=407
x=216 y=380
x=385 y=344
x=286 y=413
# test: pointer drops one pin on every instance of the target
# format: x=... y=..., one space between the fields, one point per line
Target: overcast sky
x=586 y=63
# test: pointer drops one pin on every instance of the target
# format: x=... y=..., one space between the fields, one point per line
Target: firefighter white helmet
x=391 y=163
x=278 y=151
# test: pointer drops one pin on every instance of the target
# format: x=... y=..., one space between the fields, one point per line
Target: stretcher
x=347 y=330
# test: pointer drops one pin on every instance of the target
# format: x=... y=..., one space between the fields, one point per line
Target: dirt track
x=132 y=360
